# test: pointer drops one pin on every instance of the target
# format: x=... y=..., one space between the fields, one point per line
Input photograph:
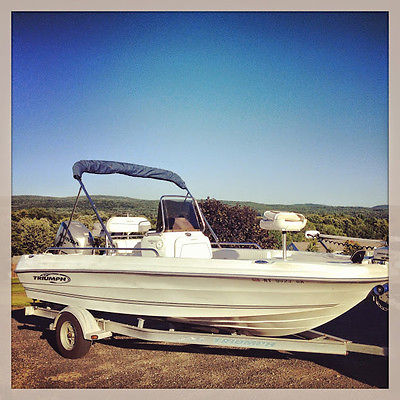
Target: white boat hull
x=235 y=294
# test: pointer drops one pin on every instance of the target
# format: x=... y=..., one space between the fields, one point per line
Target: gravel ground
x=122 y=362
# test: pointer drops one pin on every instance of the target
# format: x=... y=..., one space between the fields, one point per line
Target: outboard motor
x=381 y=255
x=78 y=235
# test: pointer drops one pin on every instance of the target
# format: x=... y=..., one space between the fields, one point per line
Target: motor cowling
x=381 y=255
x=76 y=235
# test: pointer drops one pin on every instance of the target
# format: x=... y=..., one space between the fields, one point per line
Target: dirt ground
x=122 y=362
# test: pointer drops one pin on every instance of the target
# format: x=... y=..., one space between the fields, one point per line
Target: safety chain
x=379 y=303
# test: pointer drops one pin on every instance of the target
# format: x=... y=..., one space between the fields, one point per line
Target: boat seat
x=179 y=224
x=283 y=221
x=182 y=224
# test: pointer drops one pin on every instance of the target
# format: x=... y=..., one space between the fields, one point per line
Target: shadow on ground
x=34 y=323
x=367 y=324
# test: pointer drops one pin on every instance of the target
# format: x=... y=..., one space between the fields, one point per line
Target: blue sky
x=266 y=107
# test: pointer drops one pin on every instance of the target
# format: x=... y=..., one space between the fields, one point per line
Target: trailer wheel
x=69 y=337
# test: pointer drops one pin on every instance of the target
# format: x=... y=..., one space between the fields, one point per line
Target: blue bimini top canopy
x=136 y=170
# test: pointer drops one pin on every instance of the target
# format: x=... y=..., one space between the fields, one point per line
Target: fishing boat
x=176 y=273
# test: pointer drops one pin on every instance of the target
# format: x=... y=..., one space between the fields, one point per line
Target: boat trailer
x=77 y=328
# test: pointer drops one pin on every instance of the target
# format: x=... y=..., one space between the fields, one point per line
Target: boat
x=174 y=272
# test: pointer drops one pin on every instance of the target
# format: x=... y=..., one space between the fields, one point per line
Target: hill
x=107 y=204
x=122 y=205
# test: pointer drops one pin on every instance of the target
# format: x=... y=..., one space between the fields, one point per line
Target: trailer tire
x=69 y=337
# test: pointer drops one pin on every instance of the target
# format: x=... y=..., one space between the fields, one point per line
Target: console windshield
x=177 y=214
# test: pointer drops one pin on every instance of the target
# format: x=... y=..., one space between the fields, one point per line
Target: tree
x=235 y=224
x=31 y=235
x=312 y=246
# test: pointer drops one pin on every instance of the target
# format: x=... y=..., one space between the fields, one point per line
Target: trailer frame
x=94 y=328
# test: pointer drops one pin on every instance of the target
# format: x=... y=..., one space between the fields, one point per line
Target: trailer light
x=94 y=337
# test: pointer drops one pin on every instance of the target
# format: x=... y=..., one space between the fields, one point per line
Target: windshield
x=177 y=214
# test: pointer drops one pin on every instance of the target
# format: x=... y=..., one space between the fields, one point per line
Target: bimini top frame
x=134 y=170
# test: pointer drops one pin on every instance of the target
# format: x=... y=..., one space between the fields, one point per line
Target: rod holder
x=284 y=247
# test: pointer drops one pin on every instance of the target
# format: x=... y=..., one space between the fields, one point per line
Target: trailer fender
x=90 y=328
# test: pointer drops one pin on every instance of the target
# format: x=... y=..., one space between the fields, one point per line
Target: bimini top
x=136 y=170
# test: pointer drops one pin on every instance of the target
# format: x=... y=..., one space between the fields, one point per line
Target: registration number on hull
x=276 y=280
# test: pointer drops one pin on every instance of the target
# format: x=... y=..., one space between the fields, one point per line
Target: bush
x=32 y=235
x=350 y=247
x=235 y=224
x=313 y=246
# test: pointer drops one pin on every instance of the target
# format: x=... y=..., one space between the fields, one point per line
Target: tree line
x=33 y=229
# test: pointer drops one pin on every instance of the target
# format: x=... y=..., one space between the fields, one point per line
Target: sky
x=271 y=107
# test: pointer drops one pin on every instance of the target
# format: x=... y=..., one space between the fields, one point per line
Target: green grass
x=18 y=296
